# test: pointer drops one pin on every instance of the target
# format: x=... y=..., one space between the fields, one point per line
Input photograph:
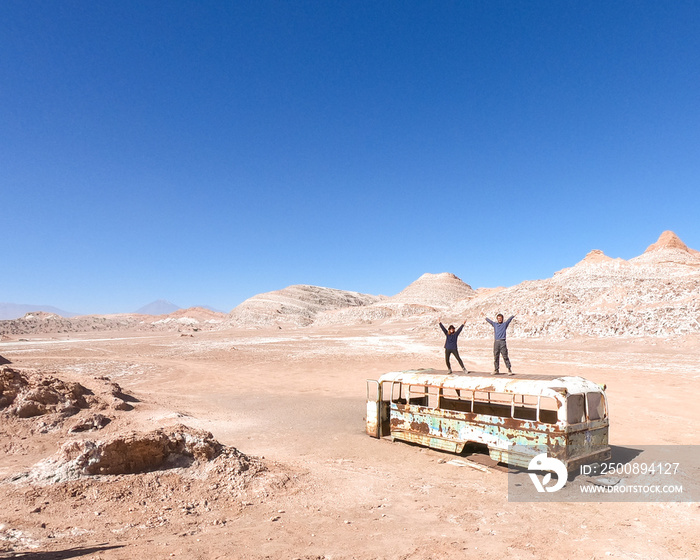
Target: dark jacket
x=451 y=340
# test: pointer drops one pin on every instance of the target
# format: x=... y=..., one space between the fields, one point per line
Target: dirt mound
x=136 y=452
x=29 y=394
x=180 y=481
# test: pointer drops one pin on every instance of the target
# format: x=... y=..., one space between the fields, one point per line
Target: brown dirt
x=290 y=405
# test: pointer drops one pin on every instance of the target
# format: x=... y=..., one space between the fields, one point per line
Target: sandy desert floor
x=296 y=399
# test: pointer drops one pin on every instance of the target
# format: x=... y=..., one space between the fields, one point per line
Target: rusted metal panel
x=372 y=422
x=433 y=442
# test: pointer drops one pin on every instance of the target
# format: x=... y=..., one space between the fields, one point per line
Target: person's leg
x=496 y=353
x=459 y=360
x=447 y=359
x=504 y=351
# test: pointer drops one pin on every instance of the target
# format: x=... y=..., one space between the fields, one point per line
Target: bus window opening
x=576 y=412
x=596 y=406
x=493 y=404
x=525 y=407
x=548 y=410
x=456 y=399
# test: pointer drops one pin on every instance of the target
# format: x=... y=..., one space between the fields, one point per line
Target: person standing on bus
x=499 y=343
x=451 y=345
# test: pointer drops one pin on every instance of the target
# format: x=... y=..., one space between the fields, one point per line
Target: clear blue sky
x=204 y=152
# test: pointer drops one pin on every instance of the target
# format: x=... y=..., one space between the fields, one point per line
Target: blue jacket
x=451 y=340
x=499 y=329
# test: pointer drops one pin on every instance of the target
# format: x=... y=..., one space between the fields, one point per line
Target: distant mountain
x=158 y=307
x=17 y=310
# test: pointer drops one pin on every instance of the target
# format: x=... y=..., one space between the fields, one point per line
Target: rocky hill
x=654 y=294
x=297 y=305
x=431 y=293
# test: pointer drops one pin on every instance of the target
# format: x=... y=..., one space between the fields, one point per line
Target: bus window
x=596 y=406
x=418 y=395
x=493 y=404
x=398 y=393
x=386 y=390
x=456 y=399
x=548 y=410
x=433 y=397
x=576 y=412
x=525 y=407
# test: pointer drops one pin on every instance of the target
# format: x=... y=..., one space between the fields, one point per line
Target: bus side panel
x=425 y=427
x=449 y=431
x=373 y=419
x=587 y=445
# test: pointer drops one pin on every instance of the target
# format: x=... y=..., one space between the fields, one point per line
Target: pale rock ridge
x=296 y=305
x=429 y=294
x=656 y=294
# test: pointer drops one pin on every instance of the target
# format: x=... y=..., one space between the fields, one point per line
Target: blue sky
x=204 y=152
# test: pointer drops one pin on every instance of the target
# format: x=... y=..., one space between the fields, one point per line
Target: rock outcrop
x=138 y=452
x=28 y=394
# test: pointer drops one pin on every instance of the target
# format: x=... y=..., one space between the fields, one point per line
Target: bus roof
x=522 y=384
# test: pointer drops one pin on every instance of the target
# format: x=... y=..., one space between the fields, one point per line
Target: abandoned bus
x=516 y=417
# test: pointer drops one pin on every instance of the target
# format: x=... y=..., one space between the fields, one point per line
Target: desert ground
x=293 y=401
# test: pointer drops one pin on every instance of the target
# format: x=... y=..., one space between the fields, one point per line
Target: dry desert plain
x=314 y=485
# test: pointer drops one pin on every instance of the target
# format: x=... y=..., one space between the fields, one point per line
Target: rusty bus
x=516 y=417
